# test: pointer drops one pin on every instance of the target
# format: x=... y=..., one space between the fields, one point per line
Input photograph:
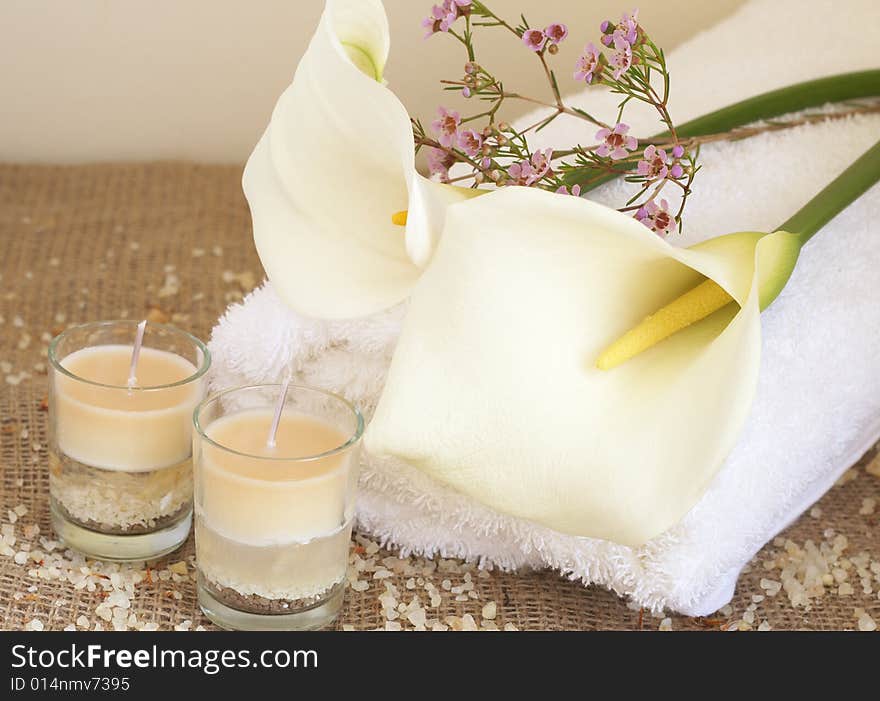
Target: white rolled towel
x=817 y=408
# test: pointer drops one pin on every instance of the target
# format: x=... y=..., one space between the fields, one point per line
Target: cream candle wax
x=101 y=426
x=120 y=451
x=273 y=521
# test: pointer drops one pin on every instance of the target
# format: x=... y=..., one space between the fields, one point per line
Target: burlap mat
x=113 y=241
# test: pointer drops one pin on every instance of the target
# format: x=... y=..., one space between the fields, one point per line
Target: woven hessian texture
x=94 y=242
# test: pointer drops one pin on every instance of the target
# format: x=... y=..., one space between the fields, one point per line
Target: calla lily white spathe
x=493 y=388
x=525 y=289
x=333 y=166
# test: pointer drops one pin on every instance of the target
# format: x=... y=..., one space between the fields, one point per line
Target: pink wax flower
x=531 y=171
x=534 y=39
x=434 y=22
x=439 y=162
x=615 y=143
x=540 y=164
x=622 y=56
x=446 y=126
x=431 y=25
x=449 y=17
x=654 y=164
x=657 y=218
x=588 y=66
x=628 y=27
x=574 y=192
x=454 y=10
x=443 y=16
x=555 y=33
x=520 y=172
x=470 y=142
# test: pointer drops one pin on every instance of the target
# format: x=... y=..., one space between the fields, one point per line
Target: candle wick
x=136 y=353
x=279 y=407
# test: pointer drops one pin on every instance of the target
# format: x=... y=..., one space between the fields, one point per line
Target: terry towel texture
x=818 y=402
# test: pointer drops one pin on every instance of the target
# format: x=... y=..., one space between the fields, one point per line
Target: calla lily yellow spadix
x=693 y=306
x=493 y=388
x=708 y=297
x=334 y=165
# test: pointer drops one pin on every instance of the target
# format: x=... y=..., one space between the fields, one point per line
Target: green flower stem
x=792 y=98
x=843 y=190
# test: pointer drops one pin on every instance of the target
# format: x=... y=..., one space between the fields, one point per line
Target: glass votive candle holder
x=273 y=521
x=120 y=454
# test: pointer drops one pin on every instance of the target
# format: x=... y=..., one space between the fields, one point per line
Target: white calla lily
x=524 y=292
x=333 y=166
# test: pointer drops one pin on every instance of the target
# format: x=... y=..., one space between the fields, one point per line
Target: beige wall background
x=95 y=80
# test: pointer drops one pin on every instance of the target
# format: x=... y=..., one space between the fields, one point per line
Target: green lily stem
x=842 y=191
x=708 y=297
x=704 y=299
x=792 y=98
